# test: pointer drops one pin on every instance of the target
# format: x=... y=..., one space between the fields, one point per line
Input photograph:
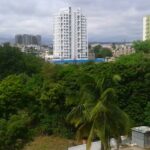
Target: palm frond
x=97 y=110
x=107 y=95
x=116 y=78
x=78 y=115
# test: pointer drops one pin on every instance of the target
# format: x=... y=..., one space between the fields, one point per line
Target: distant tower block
x=70 y=35
x=146 y=28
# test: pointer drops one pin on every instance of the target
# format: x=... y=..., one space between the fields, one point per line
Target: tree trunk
x=118 y=142
x=102 y=146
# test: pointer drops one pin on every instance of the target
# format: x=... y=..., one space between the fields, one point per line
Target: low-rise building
x=123 y=50
x=141 y=136
x=48 y=56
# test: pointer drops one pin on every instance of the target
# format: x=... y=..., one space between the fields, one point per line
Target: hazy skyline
x=111 y=20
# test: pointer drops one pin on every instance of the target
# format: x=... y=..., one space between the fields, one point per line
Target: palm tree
x=109 y=121
x=98 y=116
x=82 y=101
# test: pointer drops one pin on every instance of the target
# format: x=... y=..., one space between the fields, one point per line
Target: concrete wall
x=138 y=138
x=95 y=146
x=147 y=140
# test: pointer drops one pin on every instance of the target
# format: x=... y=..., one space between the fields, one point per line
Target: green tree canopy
x=142 y=46
x=14 y=132
x=13 y=61
x=102 y=52
x=105 y=52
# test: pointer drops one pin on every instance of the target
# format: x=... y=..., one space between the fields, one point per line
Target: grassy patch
x=49 y=143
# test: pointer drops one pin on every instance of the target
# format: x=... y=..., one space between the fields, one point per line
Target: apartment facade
x=27 y=39
x=70 y=35
x=146 y=28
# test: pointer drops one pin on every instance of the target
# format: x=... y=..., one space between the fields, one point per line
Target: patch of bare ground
x=49 y=143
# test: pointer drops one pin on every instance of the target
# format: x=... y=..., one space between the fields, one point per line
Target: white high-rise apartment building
x=70 y=35
x=146 y=28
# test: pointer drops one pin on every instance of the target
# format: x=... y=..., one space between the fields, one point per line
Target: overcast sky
x=108 y=20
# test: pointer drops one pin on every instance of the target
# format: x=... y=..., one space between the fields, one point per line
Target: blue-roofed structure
x=58 y=61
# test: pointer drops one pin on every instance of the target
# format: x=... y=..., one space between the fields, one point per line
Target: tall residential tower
x=70 y=35
x=146 y=28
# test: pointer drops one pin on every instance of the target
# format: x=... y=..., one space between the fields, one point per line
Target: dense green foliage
x=36 y=97
x=12 y=61
x=147 y=114
x=15 y=131
x=142 y=46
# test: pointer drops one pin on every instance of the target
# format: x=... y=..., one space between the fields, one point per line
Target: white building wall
x=94 y=146
x=146 y=28
x=70 y=35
